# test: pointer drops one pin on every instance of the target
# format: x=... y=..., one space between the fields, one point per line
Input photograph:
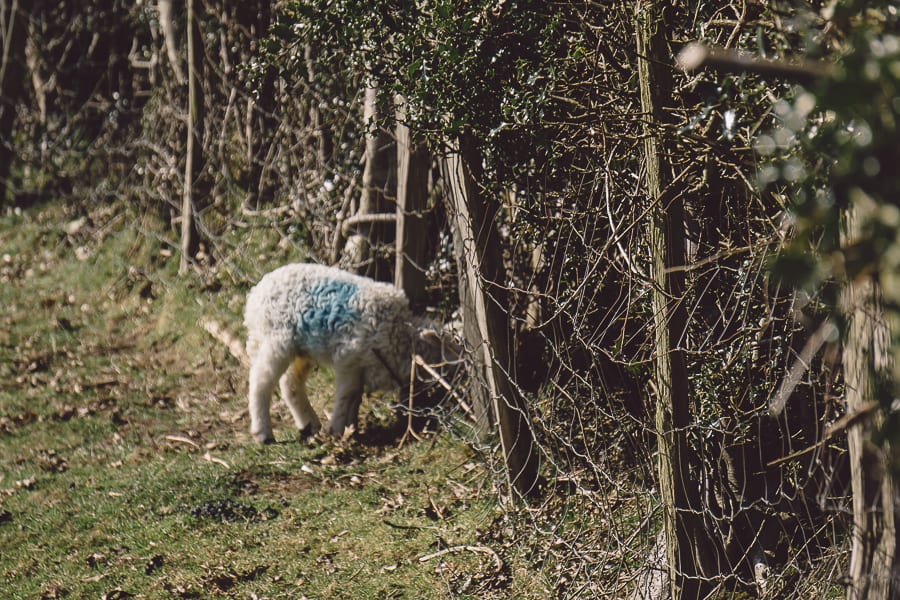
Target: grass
x=126 y=469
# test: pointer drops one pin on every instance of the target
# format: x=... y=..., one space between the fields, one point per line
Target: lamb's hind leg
x=293 y=390
x=348 y=395
x=267 y=363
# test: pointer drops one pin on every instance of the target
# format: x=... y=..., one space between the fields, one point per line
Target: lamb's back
x=323 y=311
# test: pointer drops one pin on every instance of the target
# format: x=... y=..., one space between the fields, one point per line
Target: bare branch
x=695 y=56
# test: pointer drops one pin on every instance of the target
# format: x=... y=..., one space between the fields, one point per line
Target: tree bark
x=480 y=268
x=12 y=83
x=413 y=162
x=193 y=164
x=873 y=551
x=689 y=551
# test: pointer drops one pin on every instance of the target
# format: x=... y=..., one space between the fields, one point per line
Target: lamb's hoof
x=309 y=431
x=264 y=439
x=344 y=432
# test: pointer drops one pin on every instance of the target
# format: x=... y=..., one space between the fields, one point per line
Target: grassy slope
x=125 y=465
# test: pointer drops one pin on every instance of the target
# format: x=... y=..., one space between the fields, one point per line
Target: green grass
x=126 y=469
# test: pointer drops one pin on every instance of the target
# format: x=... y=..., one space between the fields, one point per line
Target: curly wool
x=301 y=314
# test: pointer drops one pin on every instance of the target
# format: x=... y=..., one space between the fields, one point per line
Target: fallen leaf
x=339 y=535
x=73 y=227
x=96 y=559
x=53 y=590
x=26 y=484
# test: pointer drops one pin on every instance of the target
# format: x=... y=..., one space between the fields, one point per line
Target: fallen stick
x=443 y=382
x=183 y=440
x=480 y=549
x=234 y=345
x=213 y=459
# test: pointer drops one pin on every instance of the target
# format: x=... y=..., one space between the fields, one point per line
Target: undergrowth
x=126 y=469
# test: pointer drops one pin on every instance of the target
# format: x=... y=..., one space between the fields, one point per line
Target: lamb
x=300 y=315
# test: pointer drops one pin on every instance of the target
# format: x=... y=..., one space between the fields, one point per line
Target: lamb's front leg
x=293 y=390
x=348 y=395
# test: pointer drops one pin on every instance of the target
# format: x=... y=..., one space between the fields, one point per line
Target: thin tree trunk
x=261 y=115
x=170 y=37
x=476 y=364
x=193 y=163
x=12 y=83
x=323 y=135
x=481 y=271
x=358 y=252
x=690 y=554
x=873 y=552
x=413 y=162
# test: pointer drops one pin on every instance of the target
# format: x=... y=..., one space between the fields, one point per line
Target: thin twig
x=845 y=422
x=268 y=213
x=827 y=331
x=350 y=224
x=498 y=563
x=401 y=526
x=409 y=420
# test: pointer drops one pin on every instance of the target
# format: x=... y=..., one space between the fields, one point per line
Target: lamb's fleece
x=304 y=314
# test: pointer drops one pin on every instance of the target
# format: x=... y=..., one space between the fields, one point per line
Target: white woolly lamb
x=304 y=314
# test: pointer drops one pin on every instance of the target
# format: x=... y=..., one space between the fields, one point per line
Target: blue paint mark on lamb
x=302 y=314
x=325 y=313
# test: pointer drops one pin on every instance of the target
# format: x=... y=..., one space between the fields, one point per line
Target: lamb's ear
x=430 y=336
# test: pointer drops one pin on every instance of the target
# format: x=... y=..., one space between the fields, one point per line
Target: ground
x=126 y=469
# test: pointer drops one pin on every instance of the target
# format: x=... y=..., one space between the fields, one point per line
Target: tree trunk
x=413 y=162
x=359 y=252
x=476 y=363
x=170 y=37
x=12 y=83
x=689 y=551
x=873 y=552
x=261 y=113
x=321 y=131
x=193 y=164
x=41 y=87
x=481 y=271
